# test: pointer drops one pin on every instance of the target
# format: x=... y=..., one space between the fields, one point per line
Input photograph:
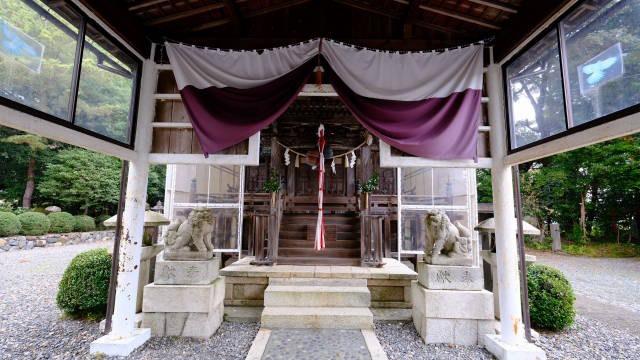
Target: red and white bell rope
x=319 y=244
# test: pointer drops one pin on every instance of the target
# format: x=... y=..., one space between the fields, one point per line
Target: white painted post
x=511 y=342
x=124 y=337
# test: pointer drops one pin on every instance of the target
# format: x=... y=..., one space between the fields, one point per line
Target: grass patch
x=537 y=245
x=594 y=249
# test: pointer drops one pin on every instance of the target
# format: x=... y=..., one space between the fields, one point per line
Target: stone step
x=318 y=260
x=327 y=251
x=317 y=317
x=309 y=244
x=317 y=293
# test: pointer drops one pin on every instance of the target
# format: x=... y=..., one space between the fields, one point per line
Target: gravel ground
x=31 y=326
x=401 y=341
x=590 y=339
x=231 y=342
x=607 y=290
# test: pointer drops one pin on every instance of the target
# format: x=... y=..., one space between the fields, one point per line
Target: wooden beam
x=411 y=21
x=119 y=20
x=496 y=5
x=459 y=17
x=184 y=14
x=409 y=18
x=384 y=44
x=532 y=15
x=220 y=22
x=235 y=15
x=146 y=4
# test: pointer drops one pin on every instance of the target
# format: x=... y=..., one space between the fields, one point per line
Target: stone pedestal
x=148 y=253
x=450 y=305
x=186 y=299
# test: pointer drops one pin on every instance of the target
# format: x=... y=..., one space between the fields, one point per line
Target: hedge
x=34 y=223
x=84 y=223
x=551 y=298
x=61 y=222
x=84 y=287
x=9 y=224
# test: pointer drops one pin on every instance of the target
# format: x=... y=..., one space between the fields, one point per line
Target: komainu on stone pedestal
x=447 y=243
x=190 y=239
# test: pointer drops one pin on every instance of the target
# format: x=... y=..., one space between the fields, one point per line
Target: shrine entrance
x=289 y=151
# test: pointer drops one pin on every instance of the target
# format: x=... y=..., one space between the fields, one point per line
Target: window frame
x=555 y=26
x=69 y=121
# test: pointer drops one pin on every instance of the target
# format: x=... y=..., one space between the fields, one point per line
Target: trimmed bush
x=61 y=222
x=84 y=287
x=34 y=223
x=9 y=224
x=99 y=221
x=551 y=298
x=84 y=223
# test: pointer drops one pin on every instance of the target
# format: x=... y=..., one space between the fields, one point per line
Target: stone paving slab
x=312 y=344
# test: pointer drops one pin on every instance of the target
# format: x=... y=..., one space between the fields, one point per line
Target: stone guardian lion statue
x=447 y=243
x=190 y=239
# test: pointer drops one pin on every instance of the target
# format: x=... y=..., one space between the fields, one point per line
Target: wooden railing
x=266 y=228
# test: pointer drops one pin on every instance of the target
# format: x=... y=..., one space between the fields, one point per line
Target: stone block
x=248 y=291
x=173 y=272
x=183 y=298
x=316 y=296
x=519 y=351
x=387 y=293
x=450 y=277
x=317 y=317
x=41 y=243
x=197 y=325
x=453 y=304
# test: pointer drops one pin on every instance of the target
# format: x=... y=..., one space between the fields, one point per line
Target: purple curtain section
x=223 y=117
x=437 y=128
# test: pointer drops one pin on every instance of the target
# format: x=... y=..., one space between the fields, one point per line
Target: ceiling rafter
x=496 y=5
x=423 y=24
x=146 y=4
x=185 y=14
x=464 y=18
x=255 y=13
x=235 y=15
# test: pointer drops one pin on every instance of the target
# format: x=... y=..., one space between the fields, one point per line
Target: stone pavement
x=316 y=344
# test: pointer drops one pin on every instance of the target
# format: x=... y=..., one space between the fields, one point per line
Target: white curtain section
x=203 y=68
x=408 y=76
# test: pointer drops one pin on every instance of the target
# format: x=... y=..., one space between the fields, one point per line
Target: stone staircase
x=317 y=303
x=297 y=235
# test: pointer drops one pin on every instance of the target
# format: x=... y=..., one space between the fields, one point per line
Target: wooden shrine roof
x=388 y=24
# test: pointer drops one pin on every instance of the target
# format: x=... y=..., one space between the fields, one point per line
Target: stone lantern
x=150 y=248
x=488 y=227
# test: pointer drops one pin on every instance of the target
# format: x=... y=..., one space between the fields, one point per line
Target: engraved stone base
x=446 y=260
x=184 y=310
x=186 y=255
x=174 y=272
x=442 y=277
x=198 y=325
x=459 y=317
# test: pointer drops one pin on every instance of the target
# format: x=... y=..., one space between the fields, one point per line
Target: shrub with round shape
x=9 y=224
x=551 y=298
x=61 y=222
x=84 y=223
x=84 y=287
x=34 y=223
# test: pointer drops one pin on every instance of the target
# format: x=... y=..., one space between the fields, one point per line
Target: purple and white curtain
x=425 y=104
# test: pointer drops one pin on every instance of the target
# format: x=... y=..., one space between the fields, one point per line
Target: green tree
x=81 y=180
x=35 y=144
